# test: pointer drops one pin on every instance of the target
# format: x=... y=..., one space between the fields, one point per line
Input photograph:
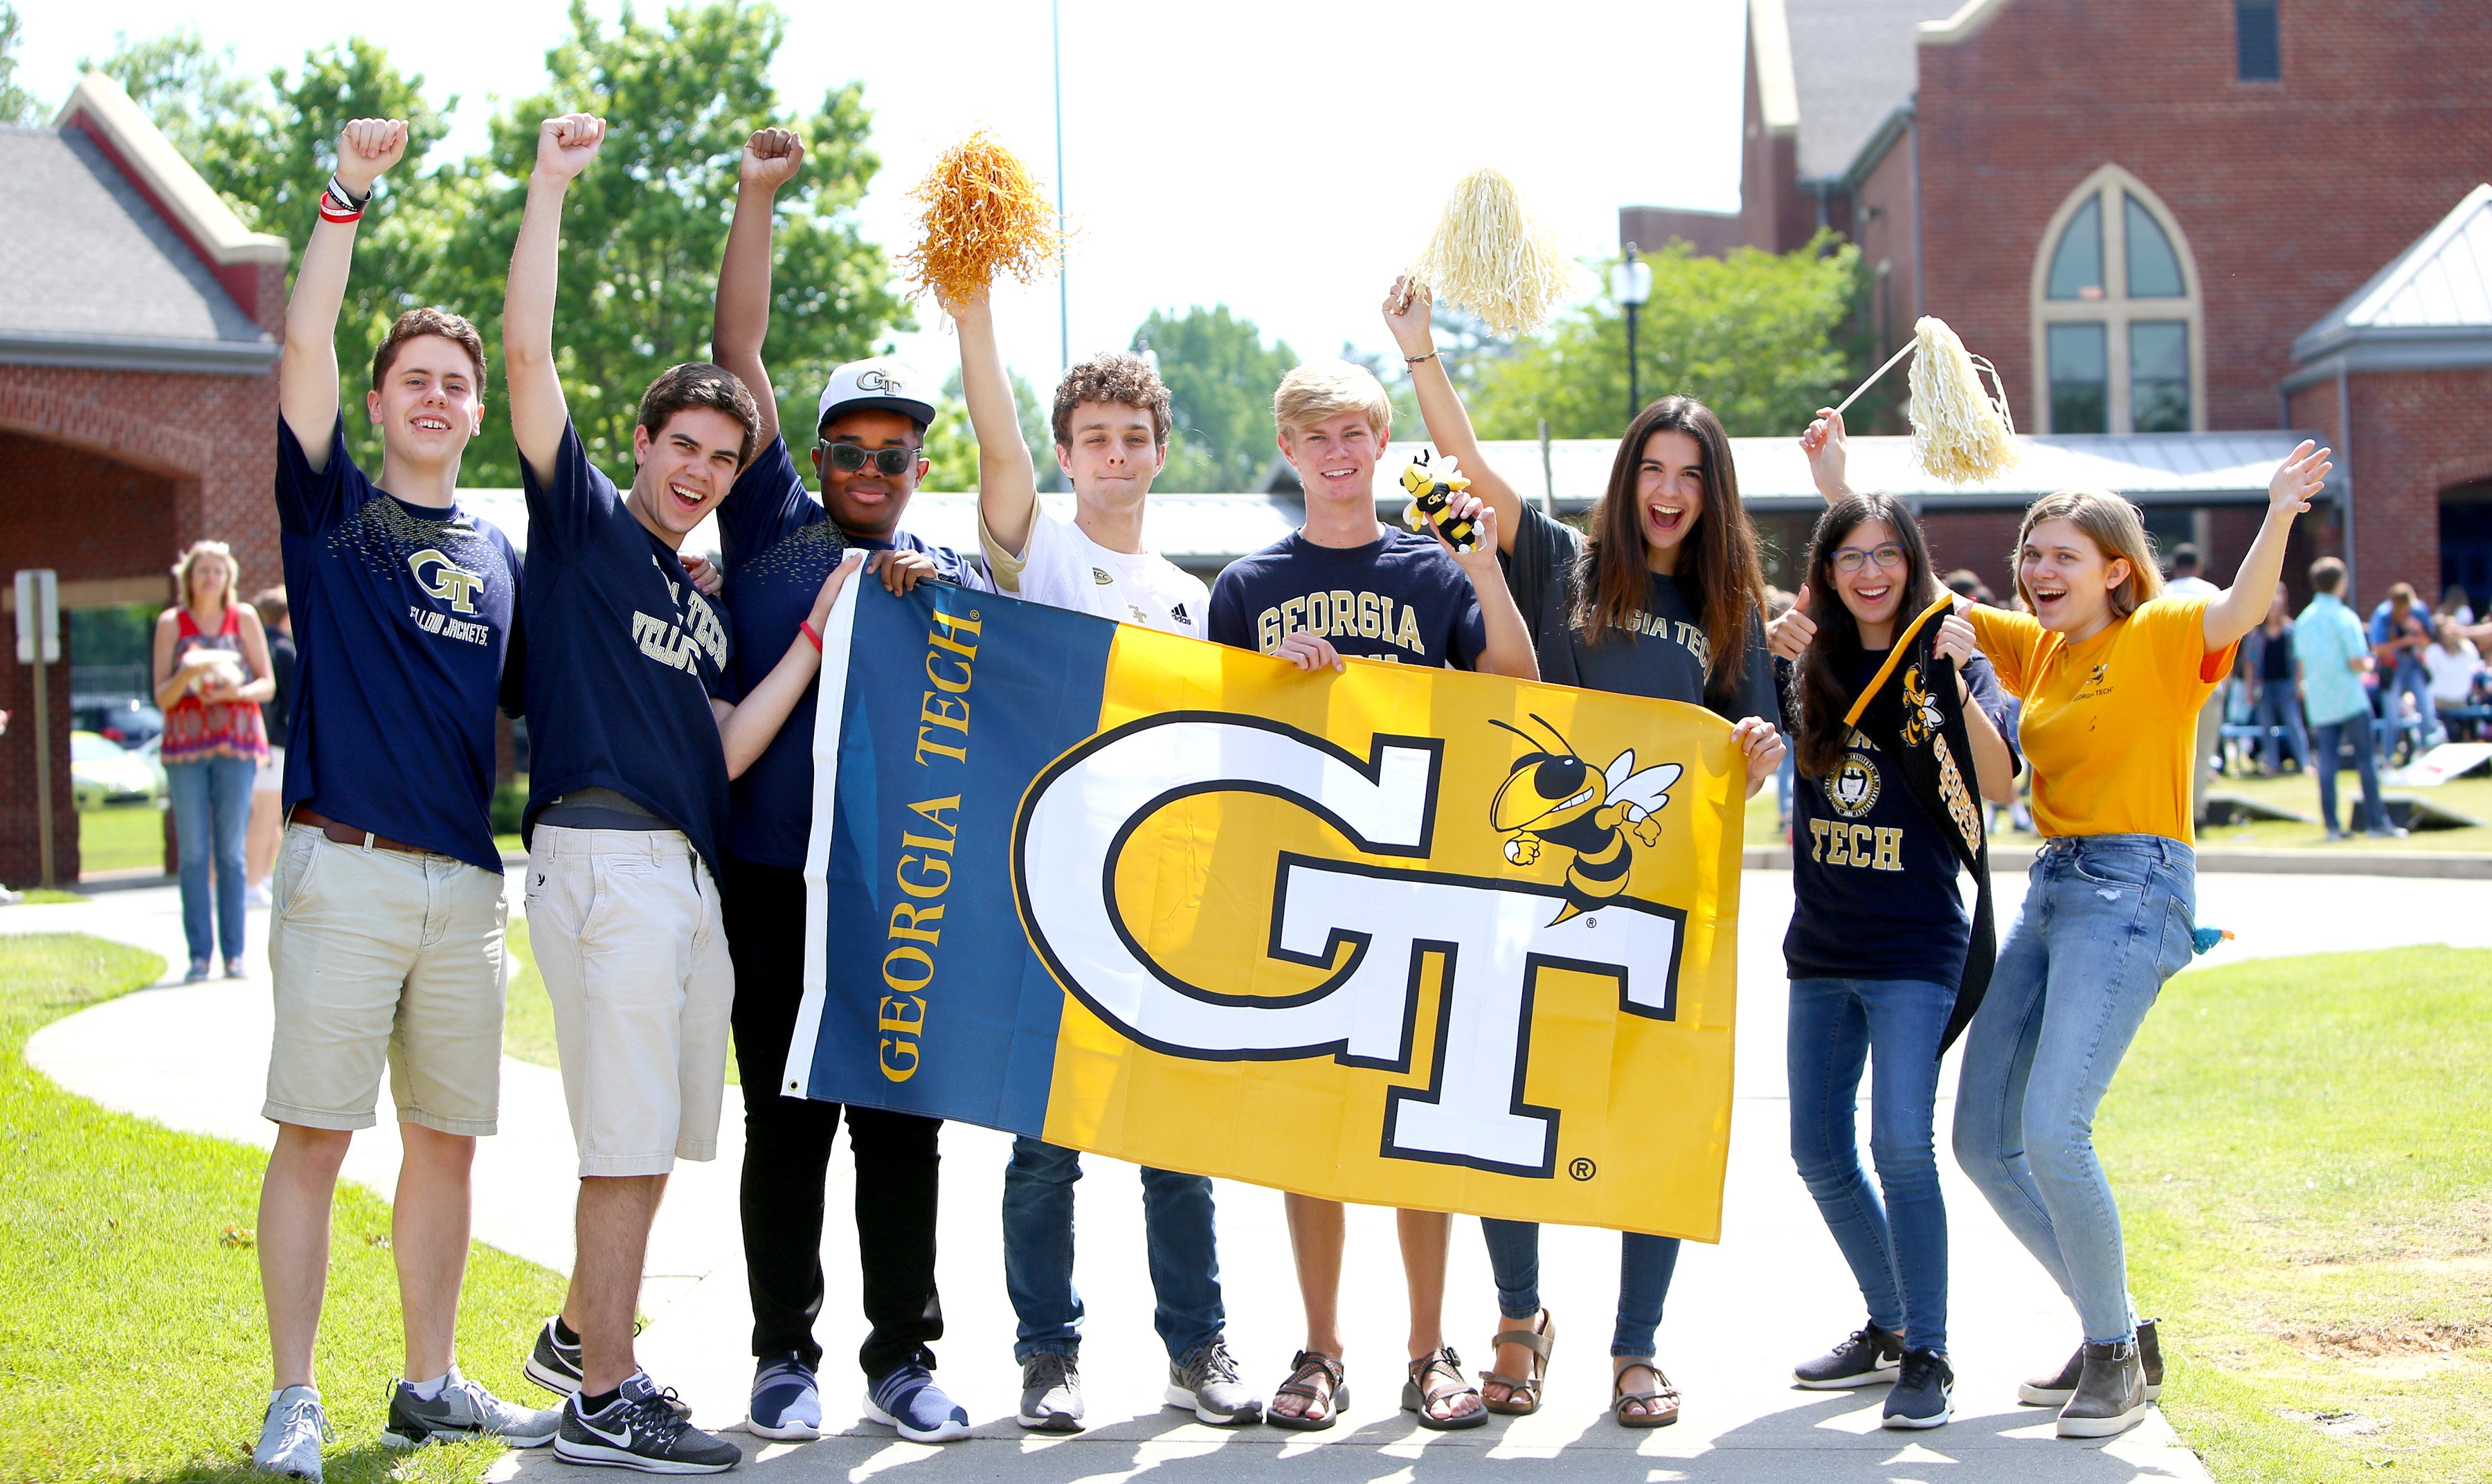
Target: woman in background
x=212 y=672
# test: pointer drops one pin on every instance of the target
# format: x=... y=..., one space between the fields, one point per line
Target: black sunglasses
x=848 y=458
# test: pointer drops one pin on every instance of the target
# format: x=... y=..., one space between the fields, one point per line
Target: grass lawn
x=132 y=1345
x=121 y=837
x=528 y=1020
x=2302 y=1150
x=36 y=896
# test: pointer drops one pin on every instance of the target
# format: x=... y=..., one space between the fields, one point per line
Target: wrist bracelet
x=806 y=627
x=332 y=210
x=346 y=197
x=1415 y=360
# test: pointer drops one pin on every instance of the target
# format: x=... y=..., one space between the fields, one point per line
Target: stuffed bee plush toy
x=1431 y=499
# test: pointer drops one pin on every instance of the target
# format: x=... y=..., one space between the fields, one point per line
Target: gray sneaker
x=464 y=1409
x=1205 y=1381
x=2111 y=1394
x=290 y=1438
x=1050 y=1393
x=2054 y=1390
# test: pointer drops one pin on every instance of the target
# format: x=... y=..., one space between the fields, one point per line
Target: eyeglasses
x=1850 y=559
x=848 y=458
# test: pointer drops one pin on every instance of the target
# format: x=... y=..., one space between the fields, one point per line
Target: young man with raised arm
x=1416 y=602
x=386 y=941
x=635 y=732
x=870 y=429
x=1111 y=428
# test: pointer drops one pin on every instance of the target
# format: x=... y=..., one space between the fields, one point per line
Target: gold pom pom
x=1489 y=255
x=982 y=214
x=1961 y=432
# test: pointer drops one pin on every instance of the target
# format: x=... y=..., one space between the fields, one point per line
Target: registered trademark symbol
x=1583 y=1170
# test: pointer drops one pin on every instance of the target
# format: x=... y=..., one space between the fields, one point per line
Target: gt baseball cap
x=883 y=382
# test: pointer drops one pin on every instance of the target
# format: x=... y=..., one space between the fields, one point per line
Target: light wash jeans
x=211 y=811
x=1645 y=1266
x=2107 y=918
x=1897 y=1248
x=1178 y=1238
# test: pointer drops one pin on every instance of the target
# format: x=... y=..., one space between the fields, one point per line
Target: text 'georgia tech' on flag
x=1405 y=937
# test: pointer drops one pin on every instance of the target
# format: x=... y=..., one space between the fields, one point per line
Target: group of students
x=671 y=722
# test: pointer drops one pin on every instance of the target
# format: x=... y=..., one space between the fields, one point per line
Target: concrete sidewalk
x=1773 y=1292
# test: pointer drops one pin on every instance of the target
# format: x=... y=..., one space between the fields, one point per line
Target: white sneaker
x=290 y=1438
x=257 y=893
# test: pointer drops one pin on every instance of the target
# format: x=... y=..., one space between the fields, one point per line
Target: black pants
x=787 y=1154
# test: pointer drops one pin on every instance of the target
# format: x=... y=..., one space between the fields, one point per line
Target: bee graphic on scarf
x=1599 y=815
x=1922 y=718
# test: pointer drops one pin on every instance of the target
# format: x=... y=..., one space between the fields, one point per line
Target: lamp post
x=1631 y=285
x=1063 y=262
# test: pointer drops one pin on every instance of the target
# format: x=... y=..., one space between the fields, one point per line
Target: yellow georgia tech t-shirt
x=2109 y=722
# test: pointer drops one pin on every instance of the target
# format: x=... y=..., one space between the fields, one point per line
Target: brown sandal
x=1416 y=1397
x=1304 y=1368
x=1523 y=1394
x=1665 y=1395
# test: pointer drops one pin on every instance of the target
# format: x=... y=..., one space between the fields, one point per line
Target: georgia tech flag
x=1406 y=937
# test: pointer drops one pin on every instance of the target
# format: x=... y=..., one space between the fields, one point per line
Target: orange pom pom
x=982 y=214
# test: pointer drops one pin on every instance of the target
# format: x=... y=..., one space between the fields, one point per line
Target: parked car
x=102 y=771
x=127 y=720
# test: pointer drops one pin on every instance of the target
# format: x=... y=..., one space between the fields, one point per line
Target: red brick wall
x=1978 y=539
x=2414 y=434
x=2291 y=194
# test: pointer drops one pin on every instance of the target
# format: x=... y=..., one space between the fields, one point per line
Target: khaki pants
x=384 y=954
x=626 y=931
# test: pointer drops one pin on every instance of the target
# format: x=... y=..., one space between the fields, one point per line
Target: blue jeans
x=2107 y=918
x=2278 y=706
x=1645 y=1266
x=1038 y=1253
x=1898 y=1250
x=2410 y=679
x=211 y=811
x=2328 y=738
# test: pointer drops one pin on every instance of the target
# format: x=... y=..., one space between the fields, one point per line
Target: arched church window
x=2117 y=325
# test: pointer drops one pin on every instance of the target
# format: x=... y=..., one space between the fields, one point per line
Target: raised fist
x=566 y=146
x=365 y=149
x=772 y=157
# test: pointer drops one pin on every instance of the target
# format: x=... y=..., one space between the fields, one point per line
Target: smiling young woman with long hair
x=1662 y=597
x=2112 y=671
x=211 y=671
x=1877 y=949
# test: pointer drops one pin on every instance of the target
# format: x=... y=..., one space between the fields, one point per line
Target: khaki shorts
x=626 y=931
x=384 y=954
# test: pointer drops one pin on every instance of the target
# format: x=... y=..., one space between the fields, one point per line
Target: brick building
x=138 y=389
x=2169 y=218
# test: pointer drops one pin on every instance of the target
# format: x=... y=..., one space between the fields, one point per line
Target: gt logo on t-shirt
x=679 y=645
x=445 y=580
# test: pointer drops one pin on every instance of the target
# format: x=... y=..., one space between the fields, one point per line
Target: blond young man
x=1430 y=605
x=386 y=941
x=1110 y=420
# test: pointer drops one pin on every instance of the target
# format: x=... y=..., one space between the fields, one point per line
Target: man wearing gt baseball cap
x=870 y=432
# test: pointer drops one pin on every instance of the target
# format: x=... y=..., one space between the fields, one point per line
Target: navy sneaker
x=787 y=1399
x=907 y=1398
x=1866 y=1358
x=641 y=1429
x=1924 y=1392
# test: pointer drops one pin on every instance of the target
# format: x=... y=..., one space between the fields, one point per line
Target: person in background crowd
x=2274 y=676
x=2400 y=631
x=1786 y=777
x=212 y=672
x=269 y=785
x=2452 y=666
x=2328 y=641
x=1967 y=583
x=2184 y=581
x=2457 y=605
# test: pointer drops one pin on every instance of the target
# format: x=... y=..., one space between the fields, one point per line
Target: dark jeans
x=1645 y=1266
x=788 y=1154
x=211 y=811
x=2327 y=739
x=1897 y=1248
x=2278 y=706
x=1038 y=1253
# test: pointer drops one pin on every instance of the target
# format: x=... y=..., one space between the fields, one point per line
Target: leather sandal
x=1418 y=1398
x=1522 y=1393
x=1304 y=1368
x=1660 y=1405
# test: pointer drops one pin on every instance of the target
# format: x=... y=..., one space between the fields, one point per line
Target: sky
x=1286 y=162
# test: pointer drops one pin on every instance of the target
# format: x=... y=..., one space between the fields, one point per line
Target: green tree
x=1762 y=338
x=643 y=228
x=205 y=104
x=17 y=105
x=953 y=448
x=1220 y=378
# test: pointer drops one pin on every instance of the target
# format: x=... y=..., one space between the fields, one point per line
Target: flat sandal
x=1304 y=1368
x=1522 y=1393
x=1620 y=1397
x=1417 y=1397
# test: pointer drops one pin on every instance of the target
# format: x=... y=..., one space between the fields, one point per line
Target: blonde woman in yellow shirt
x=2113 y=672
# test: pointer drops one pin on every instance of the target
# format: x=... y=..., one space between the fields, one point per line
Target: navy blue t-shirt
x=623 y=656
x=1873 y=876
x=781 y=547
x=403 y=620
x=1400 y=598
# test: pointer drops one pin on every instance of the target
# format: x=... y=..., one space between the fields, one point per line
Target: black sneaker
x=641 y=1429
x=1866 y=1358
x=555 y=1366
x=2054 y=1390
x=1924 y=1392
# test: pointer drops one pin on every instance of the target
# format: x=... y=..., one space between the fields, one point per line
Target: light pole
x=1063 y=294
x=1631 y=285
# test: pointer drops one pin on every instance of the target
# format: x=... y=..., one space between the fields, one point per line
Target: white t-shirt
x=2191 y=587
x=2452 y=675
x=1066 y=569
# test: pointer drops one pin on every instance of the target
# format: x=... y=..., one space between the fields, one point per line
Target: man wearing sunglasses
x=867 y=451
